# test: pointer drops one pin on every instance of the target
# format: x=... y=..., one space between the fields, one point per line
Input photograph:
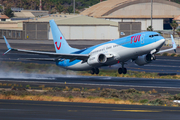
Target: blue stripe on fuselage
x=125 y=42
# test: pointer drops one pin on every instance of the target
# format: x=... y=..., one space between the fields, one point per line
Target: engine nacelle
x=145 y=59
x=97 y=60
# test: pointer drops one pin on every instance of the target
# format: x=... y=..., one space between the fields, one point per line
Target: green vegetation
x=8 y=12
x=174 y=25
x=104 y=95
x=177 y=1
x=149 y=28
x=52 y=6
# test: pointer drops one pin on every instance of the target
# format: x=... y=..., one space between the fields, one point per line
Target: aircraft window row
x=115 y=46
x=109 y=47
x=98 y=50
x=154 y=35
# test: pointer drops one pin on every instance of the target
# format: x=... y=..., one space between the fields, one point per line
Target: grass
x=169 y=54
x=104 y=95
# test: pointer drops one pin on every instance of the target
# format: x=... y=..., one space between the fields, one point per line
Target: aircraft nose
x=163 y=40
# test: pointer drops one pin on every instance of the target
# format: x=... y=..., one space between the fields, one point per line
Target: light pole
x=74 y=6
x=151 y=14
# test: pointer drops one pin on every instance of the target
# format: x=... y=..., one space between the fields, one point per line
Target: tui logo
x=59 y=44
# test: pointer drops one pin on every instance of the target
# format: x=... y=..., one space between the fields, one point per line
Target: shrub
x=70 y=97
x=165 y=54
x=158 y=102
x=144 y=101
x=154 y=91
x=173 y=54
x=90 y=97
x=66 y=88
x=76 y=89
x=27 y=86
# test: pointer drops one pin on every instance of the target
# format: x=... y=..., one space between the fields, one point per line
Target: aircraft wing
x=57 y=56
x=173 y=48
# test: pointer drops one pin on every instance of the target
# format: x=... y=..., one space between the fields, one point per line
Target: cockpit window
x=154 y=35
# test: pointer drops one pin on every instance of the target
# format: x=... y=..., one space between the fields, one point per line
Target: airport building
x=73 y=27
x=136 y=11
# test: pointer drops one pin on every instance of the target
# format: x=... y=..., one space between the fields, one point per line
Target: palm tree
x=174 y=25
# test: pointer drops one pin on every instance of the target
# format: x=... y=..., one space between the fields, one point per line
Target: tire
x=96 y=70
x=120 y=71
x=124 y=71
x=92 y=71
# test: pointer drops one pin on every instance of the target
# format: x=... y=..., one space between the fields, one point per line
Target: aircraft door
x=142 y=38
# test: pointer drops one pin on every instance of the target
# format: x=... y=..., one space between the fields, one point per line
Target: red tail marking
x=57 y=46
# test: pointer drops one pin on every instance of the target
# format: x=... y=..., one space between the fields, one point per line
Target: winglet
x=173 y=43
x=173 y=48
x=8 y=46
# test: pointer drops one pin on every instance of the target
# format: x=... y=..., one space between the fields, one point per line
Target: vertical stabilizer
x=60 y=43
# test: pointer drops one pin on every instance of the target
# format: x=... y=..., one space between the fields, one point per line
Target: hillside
x=52 y=6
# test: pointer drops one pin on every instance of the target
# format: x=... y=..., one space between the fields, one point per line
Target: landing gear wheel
x=124 y=71
x=92 y=71
x=96 y=70
x=154 y=57
x=120 y=71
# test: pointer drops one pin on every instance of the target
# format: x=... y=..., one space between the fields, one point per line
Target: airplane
x=140 y=48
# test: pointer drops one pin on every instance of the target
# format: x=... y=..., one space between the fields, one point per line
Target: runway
x=38 y=110
x=161 y=85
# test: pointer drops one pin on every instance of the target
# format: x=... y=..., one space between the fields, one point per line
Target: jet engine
x=97 y=60
x=144 y=59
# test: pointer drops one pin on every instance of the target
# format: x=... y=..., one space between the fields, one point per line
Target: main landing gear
x=122 y=70
x=94 y=71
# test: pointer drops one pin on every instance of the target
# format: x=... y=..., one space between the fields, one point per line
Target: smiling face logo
x=58 y=47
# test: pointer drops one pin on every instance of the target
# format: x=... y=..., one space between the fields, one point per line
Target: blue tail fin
x=60 y=43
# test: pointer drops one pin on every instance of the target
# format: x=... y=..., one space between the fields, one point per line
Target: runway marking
x=166 y=60
x=163 y=66
x=137 y=110
x=114 y=110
